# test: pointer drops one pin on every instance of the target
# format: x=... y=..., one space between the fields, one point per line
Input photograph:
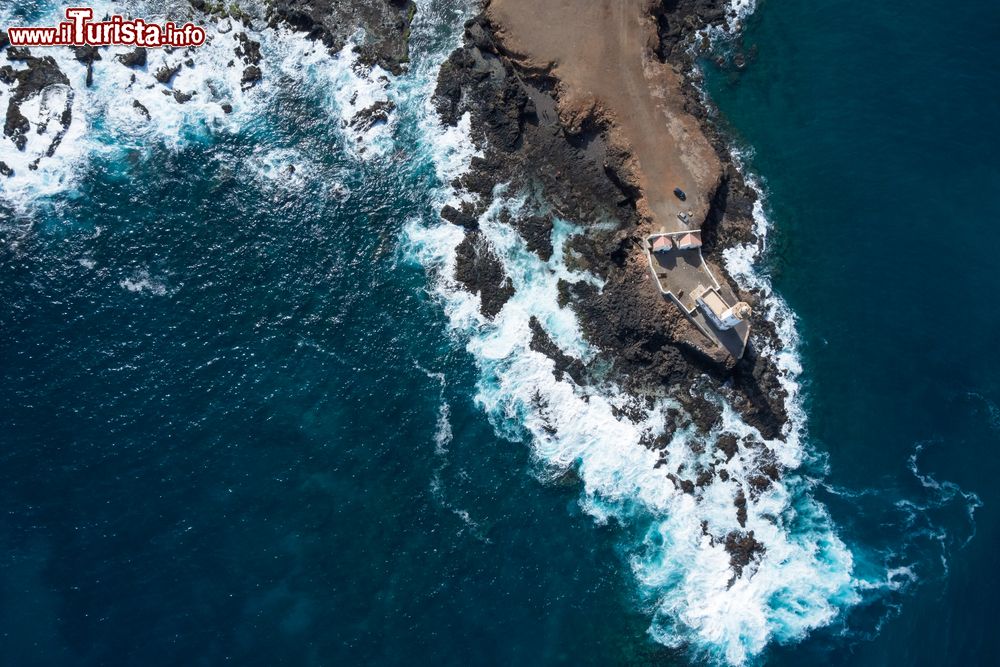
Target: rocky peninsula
x=591 y=107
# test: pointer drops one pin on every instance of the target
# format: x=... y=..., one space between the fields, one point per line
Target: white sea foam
x=442 y=440
x=109 y=123
x=803 y=579
x=737 y=12
x=142 y=281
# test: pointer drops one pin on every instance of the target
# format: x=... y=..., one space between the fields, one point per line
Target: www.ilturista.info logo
x=79 y=30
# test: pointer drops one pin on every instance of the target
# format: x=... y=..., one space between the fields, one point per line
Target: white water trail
x=802 y=581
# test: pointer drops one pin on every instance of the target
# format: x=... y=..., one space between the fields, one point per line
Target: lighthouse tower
x=735 y=314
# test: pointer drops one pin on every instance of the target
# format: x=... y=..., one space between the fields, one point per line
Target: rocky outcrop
x=248 y=50
x=743 y=548
x=166 y=73
x=33 y=77
x=376 y=114
x=578 y=172
x=564 y=364
x=140 y=109
x=87 y=55
x=386 y=26
x=481 y=272
x=536 y=230
x=134 y=58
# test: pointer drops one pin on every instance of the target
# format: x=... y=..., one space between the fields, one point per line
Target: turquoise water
x=874 y=129
x=244 y=418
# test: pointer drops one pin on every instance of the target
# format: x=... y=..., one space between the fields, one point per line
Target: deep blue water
x=236 y=459
x=221 y=424
x=242 y=467
x=874 y=127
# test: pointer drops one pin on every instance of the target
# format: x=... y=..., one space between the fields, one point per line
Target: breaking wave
x=675 y=541
x=127 y=111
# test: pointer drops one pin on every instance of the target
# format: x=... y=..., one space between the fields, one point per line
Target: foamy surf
x=127 y=110
x=803 y=579
x=674 y=540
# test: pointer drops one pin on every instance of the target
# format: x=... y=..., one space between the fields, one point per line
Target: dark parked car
x=680 y=194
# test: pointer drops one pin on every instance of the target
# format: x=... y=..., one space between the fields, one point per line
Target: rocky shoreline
x=573 y=168
x=566 y=167
x=380 y=27
x=575 y=172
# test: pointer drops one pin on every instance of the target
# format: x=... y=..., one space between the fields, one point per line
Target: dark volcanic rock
x=38 y=74
x=742 y=549
x=16 y=126
x=18 y=53
x=728 y=445
x=741 y=508
x=650 y=344
x=376 y=114
x=679 y=20
x=166 y=73
x=5 y=170
x=386 y=26
x=464 y=217
x=247 y=49
x=685 y=485
x=134 y=58
x=540 y=342
x=251 y=76
x=480 y=271
x=87 y=55
x=536 y=231
x=140 y=109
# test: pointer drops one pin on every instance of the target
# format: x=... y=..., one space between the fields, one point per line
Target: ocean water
x=248 y=416
x=872 y=130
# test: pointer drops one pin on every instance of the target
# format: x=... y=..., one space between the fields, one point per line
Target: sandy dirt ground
x=602 y=53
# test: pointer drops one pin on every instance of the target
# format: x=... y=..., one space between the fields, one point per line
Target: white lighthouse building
x=722 y=314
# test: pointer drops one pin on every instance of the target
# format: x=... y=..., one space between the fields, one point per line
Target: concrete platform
x=678 y=273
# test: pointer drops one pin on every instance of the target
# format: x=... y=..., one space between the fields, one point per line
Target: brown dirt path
x=601 y=51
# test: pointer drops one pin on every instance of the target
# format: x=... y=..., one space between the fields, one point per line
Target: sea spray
x=675 y=540
x=127 y=111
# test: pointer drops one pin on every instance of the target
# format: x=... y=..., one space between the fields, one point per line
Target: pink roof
x=689 y=240
x=662 y=243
